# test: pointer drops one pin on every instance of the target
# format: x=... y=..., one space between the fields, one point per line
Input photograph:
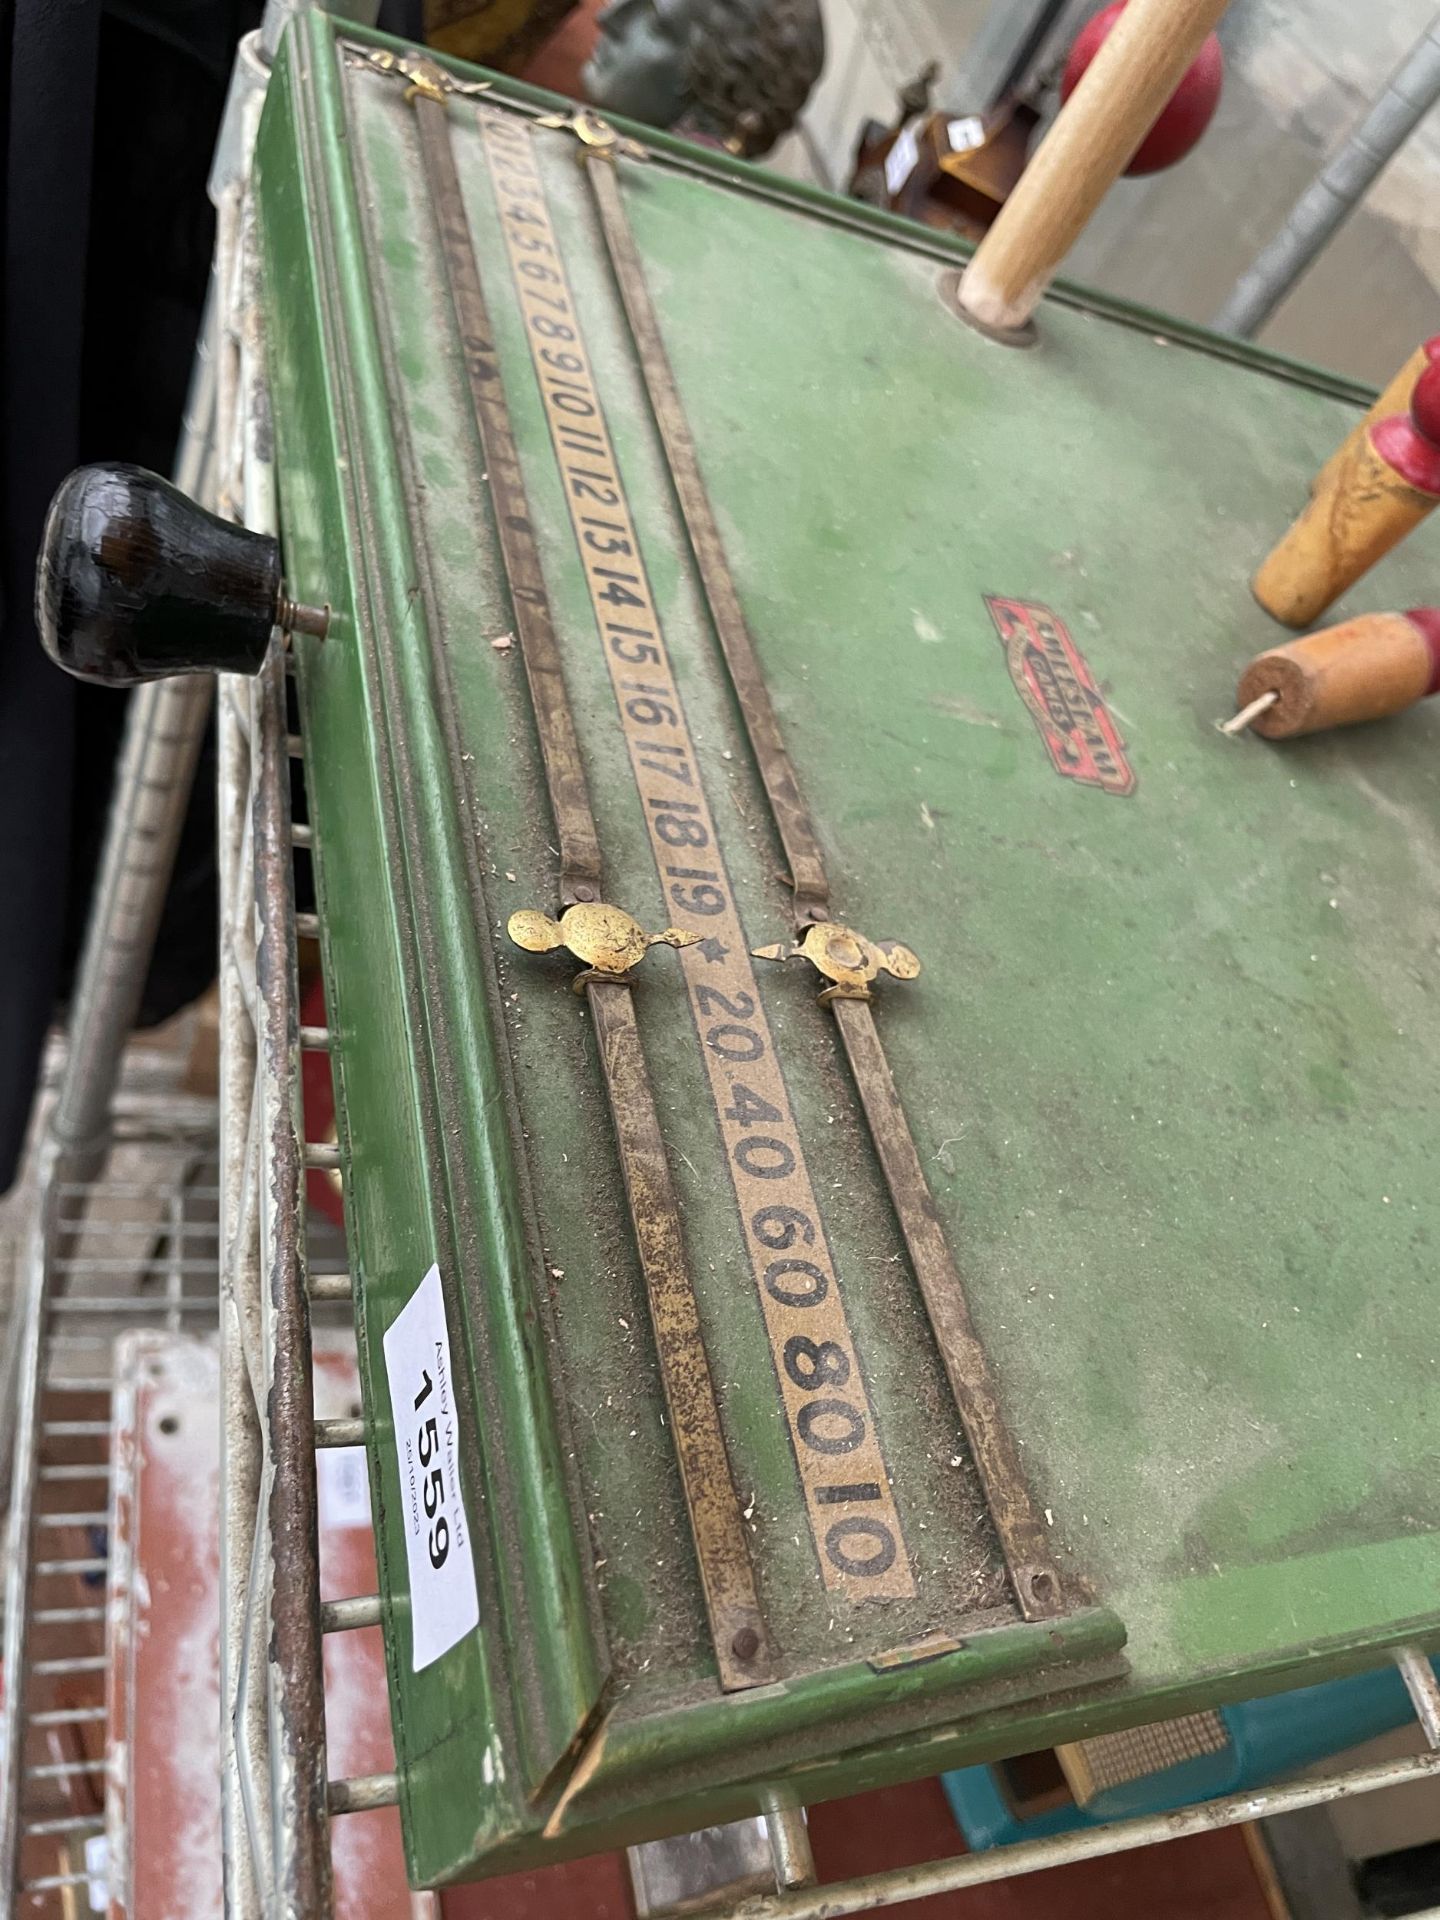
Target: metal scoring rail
x=248 y=1233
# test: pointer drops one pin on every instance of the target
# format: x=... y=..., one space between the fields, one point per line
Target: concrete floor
x=1300 y=73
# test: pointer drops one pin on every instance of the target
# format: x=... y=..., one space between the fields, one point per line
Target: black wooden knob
x=135 y=582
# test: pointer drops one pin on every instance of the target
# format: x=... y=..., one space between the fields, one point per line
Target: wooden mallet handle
x=1093 y=140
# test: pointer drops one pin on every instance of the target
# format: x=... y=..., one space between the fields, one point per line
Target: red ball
x=1189 y=110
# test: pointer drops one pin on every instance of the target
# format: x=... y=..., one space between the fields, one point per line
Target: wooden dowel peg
x=1093 y=140
x=1395 y=398
x=1380 y=489
x=1362 y=669
x=1249 y=713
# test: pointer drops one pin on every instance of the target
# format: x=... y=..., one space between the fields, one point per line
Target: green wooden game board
x=1170 y=1068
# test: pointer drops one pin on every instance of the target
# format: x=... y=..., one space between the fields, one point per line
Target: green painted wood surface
x=1175 y=1059
x=1171 y=1066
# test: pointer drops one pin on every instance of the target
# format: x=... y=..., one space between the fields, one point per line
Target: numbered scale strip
x=539 y=648
x=1022 y=1536
x=851 y=1510
x=737 y=1624
x=787 y=805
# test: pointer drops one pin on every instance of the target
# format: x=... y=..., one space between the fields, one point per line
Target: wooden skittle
x=1380 y=489
x=1363 y=669
x=1394 y=398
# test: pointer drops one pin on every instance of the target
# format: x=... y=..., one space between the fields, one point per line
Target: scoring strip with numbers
x=737 y=1623
x=851 y=1508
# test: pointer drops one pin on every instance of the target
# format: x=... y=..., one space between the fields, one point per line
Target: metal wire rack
x=241 y=1266
x=277 y=1798
x=216 y=1237
x=120 y=1253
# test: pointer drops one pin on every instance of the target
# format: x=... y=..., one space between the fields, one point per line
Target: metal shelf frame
x=277 y=1799
x=276 y=1796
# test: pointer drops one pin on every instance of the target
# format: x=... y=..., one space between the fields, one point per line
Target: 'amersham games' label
x=1053 y=680
x=444 y=1606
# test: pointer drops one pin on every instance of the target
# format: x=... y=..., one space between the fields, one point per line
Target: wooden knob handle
x=137 y=582
x=1360 y=670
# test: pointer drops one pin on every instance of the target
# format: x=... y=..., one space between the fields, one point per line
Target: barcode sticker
x=444 y=1606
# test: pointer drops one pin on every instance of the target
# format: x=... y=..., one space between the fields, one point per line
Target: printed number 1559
x=434 y=1489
